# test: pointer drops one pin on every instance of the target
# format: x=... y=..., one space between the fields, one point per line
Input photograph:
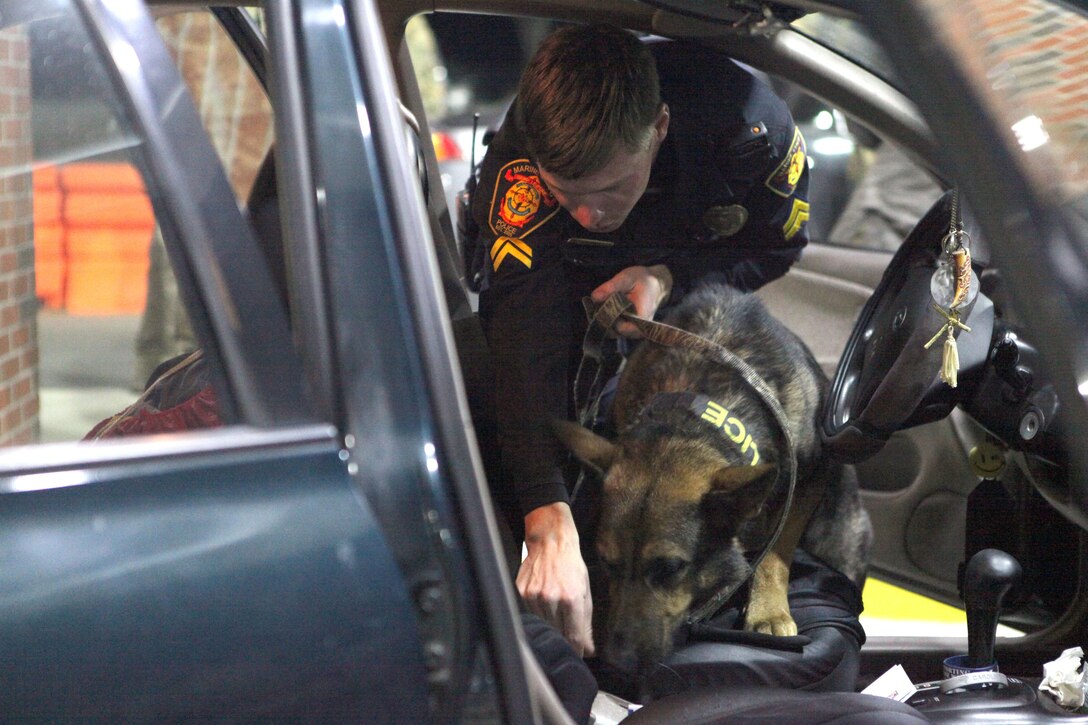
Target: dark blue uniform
x=727 y=198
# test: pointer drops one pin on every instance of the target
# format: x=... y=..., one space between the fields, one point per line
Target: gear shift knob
x=990 y=575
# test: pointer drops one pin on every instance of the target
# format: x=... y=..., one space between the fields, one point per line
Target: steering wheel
x=886 y=379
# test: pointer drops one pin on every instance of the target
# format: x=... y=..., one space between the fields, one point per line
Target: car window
x=232 y=103
x=90 y=310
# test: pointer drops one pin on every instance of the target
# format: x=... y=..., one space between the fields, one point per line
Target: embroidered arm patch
x=520 y=202
x=783 y=180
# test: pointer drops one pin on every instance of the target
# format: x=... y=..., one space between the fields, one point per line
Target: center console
x=973 y=690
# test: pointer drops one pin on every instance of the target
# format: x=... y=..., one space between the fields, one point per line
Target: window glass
x=232 y=104
x=88 y=303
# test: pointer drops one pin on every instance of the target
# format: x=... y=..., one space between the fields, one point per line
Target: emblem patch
x=725 y=221
x=520 y=202
x=783 y=180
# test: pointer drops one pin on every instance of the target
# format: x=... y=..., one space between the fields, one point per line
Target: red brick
x=11 y=420
x=1073 y=114
x=17 y=52
x=8 y=316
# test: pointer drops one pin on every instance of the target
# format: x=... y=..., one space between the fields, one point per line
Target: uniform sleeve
x=775 y=198
x=525 y=312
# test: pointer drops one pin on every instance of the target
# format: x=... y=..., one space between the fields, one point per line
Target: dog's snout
x=619 y=652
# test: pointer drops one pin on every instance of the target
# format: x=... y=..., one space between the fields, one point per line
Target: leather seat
x=823 y=657
x=774 y=706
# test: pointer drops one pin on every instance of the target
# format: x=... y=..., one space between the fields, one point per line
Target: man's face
x=601 y=201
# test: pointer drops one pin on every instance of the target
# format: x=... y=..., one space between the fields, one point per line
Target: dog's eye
x=614 y=569
x=665 y=571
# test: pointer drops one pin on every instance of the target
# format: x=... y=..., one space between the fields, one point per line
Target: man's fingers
x=602 y=293
x=582 y=615
x=572 y=618
x=628 y=329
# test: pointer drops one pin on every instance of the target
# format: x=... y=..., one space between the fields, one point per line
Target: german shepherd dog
x=695 y=460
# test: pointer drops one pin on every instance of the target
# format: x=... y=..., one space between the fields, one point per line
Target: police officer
x=623 y=166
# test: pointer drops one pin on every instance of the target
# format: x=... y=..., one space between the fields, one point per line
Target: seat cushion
x=773 y=706
x=823 y=657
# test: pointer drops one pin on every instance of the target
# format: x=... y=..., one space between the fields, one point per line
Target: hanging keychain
x=953 y=287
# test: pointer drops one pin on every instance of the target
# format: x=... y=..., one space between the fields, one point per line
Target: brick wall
x=18 y=302
x=231 y=102
x=1034 y=55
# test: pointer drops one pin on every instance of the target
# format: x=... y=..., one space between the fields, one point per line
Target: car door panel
x=233 y=572
x=216 y=584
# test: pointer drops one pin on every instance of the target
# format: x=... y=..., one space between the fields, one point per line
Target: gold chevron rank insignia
x=509 y=247
x=798 y=216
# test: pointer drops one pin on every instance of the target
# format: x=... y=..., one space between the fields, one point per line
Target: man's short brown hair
x=586 y=90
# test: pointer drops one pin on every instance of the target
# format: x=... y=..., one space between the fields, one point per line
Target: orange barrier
x=49 y=254
x=48 y=203
x=103 y=210
x=92 y=176
x=93 y=223
x=49 y=264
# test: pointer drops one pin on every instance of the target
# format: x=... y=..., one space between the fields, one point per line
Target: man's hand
x=646 y=287
x=553 y=580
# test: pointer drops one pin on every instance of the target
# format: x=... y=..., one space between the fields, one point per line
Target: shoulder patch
x=509 y=247
x=798 y=216
x=520 y=202
x=783 y=180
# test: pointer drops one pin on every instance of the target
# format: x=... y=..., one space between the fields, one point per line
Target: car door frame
x=130 y=505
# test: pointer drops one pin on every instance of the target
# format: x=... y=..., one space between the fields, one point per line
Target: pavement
x=86 y=368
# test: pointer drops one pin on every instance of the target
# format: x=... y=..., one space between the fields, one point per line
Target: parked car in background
x=328 y=550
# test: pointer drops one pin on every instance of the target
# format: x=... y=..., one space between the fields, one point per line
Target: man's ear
x=591 y=449
x=661 y=124
x=737 y=493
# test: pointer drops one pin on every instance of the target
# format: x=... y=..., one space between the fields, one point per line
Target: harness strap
x=602 y=318
x=617 y=306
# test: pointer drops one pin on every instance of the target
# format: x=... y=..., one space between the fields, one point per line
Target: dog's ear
x=591 y=449
x=737 y=492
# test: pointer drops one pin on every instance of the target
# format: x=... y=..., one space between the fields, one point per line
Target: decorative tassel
x=950 y=361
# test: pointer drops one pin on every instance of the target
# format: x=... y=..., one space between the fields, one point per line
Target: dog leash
x=602 y=318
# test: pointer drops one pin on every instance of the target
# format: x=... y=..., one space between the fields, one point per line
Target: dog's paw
x=774 y=621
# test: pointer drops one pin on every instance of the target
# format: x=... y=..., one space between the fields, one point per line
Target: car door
x=231 y=571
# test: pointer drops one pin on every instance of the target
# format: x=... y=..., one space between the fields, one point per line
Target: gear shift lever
x=990 y=575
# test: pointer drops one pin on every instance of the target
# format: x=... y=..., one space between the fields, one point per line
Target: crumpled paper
x=1066 y=678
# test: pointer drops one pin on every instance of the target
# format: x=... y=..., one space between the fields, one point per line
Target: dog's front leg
x=768 y=605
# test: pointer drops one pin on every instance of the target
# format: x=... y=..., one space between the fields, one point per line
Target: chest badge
x=725 y=221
